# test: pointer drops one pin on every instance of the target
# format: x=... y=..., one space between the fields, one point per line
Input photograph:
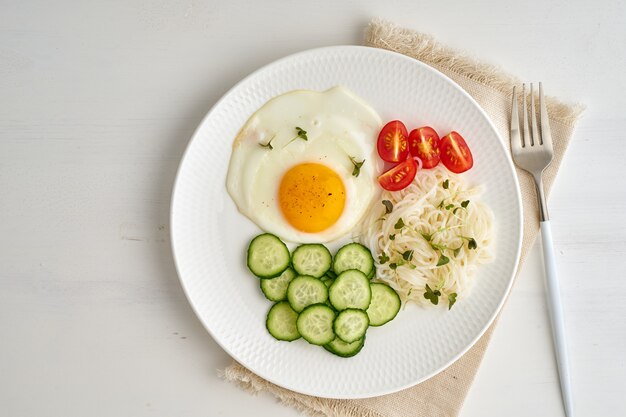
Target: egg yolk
x=311 y=197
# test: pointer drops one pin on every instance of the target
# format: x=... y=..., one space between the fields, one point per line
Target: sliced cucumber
x=351 y=289
x=351 y=324
x=353 y=256
x=311 y=259
x=281 y=322
x=315 y=324
x=343 y=349
x=304 y=291
x=275 y=289
x=268 y=256
x=328 y=301
x=384 y=306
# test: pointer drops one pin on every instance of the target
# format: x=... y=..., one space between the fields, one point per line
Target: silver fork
x=533 y=152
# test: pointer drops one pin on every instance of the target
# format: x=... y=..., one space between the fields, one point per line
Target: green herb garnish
x=393 y=266
x=392 y=237
x=451 y=300
x=357 y=166
x=388 y=206
x=465 y=203
x=407 y=255
x=431 y=295
x=443 y=259
x=471 y=242
x=399 y=224
x=383 y=258
x=445 y=184
x=301 y=133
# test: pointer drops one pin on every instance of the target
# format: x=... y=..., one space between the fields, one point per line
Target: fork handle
x=555 y=309
x=541 y=197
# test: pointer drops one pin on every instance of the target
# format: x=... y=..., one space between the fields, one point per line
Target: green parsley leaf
x=451 y=300
x=388 y=206
x=392 y=237
x=399 y=224
x=407 y=255
x=426 y=236
x=471 y=243
x=383 y=258
x=445 y=184
x=457 y=251
x=449 y=206
x=301 y=133
x=431 y=295
x=443 y=259
x=357 y=166
x=465 y=203
x=393 y=266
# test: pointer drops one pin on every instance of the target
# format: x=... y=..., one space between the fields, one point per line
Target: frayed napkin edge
x=383 y=34
x=313 y=406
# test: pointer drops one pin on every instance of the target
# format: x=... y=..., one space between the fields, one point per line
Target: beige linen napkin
x=442 y=395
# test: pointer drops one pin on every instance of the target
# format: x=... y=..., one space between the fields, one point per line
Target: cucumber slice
x=281 y=322
x=351 y=325
x=268 y=256
x=384 y=306
x=275 y=289
x=343 y=349
x=353 y=256
x=311 y=259
x=315 y=324
x=351 y=289
x=304 y=291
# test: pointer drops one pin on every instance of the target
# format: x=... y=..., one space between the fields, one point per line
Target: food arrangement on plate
x=313 y=168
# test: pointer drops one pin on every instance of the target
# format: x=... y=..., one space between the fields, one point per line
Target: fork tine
x=516 y=139
x=546 y=134
x=536 y=139
x=526 y=137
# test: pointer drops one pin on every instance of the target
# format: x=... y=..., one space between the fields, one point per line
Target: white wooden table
x=97 y=103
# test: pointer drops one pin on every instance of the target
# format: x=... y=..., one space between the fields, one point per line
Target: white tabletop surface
x=97 y=104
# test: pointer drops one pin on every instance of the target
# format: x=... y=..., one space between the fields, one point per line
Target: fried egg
x=304 y=165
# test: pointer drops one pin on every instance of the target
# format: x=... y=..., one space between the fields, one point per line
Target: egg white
x=338 y=125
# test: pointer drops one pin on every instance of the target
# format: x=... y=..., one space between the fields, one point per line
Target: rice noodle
x=421 y=209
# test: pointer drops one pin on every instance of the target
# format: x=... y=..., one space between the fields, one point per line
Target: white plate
x=210 y=237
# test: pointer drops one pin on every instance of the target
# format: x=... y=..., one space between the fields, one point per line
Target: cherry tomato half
x=424 y=143
x=392 y=142
x=400 y=176
x=455 y=153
